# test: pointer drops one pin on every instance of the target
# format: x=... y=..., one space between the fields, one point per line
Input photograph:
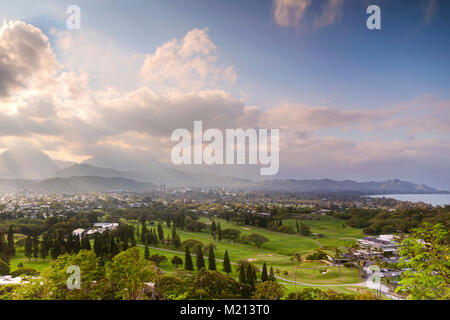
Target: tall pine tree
x=28 y=248
x=147 y=253
x=211 y=259
x=200 y=259
x=226 y=263
x=264 y=276
x=188 y=260
x=272 y=275
x=11 y=247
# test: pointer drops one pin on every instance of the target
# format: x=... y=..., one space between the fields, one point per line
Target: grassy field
x=276 y=252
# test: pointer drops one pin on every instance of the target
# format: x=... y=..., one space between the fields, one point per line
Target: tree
x=85 y=243
x=219 y=232
x=249 y=275
x=213 y=282
x=35 y=247
x=257 y=239
x=272 y=275
x=174 y=231
x=211 y=259
x=4 y=268
x=146 y=253
x=4 y=252
x=45 y=246
x=242 y=275
x=128 y=273
x=176 y=261
x=304 y=229
x=268 y=290
x=160 y=232
x=11 y=247
x=296 y=258
x=28 y=248
x=158 y=259
x=200 y=261
x=231 y=234
x=226 y=263
x=264 y=276
x=426 y=256
x=188 y=260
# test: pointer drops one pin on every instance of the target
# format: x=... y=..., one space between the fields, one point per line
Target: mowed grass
x=278 y=250
x=37 y=264
x=275 y=253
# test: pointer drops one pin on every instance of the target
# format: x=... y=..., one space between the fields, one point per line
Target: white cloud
x=332 y=12
x=26 y=59
x=190 y=63
x=289 y=13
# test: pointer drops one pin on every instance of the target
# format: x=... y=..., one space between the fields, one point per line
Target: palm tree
x=296 y=258
x=337 y=258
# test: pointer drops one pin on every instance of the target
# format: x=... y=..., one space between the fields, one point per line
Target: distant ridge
x=328 y=185
x=84 y=170
x=75 y=185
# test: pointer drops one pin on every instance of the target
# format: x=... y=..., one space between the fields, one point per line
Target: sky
x=350 y=103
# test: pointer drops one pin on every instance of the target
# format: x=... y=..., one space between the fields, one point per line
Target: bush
x=192 y=244
x=24 y=272
x=4 y=268
x=317 y=256
x=286 y=229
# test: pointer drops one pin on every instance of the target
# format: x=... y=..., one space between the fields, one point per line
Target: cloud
x=74 y=116
x=293 y=13
x=289 y=13
x=189 y=63
x=311 y=118
x=26 y=59
x=332 y=11
x=430 y=10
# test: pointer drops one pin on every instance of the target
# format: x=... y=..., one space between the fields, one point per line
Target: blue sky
x=380 y=84
x=344 y=62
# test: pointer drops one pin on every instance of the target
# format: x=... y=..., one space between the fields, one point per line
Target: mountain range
x=31 y=169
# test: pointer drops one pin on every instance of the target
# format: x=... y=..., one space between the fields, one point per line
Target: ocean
x=433 y=199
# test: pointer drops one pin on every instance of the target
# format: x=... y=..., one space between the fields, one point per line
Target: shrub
x=4 y=268
x=24 y=272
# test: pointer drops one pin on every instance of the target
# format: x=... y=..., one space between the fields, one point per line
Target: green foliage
x=426 y=256
x=200 y=260
x=226 y=263
x=4 y=268
x=24 y=272
x=188 y=265
x=317 y=255
x=268 y=290
x=176 y=261
x=214 y=282
x=157 y=259
x=211 y=259
x=231 y=234
x=146 y=253
x=128 y=273
x=257 y=239
x=318 y=294
x=264 y=275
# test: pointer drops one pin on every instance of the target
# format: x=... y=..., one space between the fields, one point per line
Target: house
x=385 y=243
x=78 y=232
x=98 y=227
x=106 y=225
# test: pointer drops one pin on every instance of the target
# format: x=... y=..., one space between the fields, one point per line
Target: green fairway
x=278 y=250
x=275 y=253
